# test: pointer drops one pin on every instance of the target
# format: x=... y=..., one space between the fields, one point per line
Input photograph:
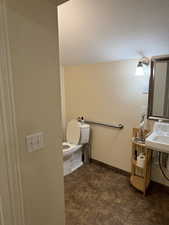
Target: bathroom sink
x=159 y=139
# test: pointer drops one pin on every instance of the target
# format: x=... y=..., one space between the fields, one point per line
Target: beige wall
x=109 y=93
x=33 y=44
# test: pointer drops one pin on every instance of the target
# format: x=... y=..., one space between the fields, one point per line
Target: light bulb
x=139 y=71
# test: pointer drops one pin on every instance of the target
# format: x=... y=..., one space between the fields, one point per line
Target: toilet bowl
x=69 y=149
x=77 y=134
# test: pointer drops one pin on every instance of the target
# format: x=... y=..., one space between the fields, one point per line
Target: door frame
x=59 y=2
x=9 y=138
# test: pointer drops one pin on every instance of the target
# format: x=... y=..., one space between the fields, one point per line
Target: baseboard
x=125 y=173
x=114 y=169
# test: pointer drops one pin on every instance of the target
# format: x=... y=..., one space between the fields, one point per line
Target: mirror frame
x=154 y=60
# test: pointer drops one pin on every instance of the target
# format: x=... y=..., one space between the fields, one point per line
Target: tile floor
x=95 y=195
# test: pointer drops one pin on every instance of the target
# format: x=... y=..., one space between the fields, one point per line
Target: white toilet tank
x=77 y=133
x=84 y=133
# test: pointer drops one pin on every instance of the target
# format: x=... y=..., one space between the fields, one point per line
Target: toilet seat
x=72 y=138
x=77 y=135
x=73 y=132
x=68 y=148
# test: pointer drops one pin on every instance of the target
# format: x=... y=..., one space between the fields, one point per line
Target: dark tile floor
x=97 y=196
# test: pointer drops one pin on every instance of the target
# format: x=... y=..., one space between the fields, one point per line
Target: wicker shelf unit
x=140 y=177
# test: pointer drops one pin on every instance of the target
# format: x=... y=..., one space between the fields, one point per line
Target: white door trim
x=8 y=124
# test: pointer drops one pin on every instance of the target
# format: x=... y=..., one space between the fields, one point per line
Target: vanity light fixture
x=140 y=70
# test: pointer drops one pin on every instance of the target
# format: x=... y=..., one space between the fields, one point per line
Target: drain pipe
x=161 y=168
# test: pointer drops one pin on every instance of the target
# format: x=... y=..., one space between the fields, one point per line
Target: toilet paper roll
x=140 y=160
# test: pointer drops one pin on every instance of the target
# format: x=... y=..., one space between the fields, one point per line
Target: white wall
x=33 y=43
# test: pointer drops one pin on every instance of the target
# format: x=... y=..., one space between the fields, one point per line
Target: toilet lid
x=73 y=132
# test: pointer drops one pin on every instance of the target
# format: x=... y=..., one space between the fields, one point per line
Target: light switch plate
x=35 y=142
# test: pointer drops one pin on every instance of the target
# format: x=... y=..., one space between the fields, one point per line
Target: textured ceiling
x=93 y=31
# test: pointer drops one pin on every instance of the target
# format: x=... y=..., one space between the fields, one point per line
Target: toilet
x=77 y=134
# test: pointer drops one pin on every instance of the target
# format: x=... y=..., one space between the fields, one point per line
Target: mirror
x=158 y=105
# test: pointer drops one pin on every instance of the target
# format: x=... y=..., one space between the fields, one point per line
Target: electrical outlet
x=35 y=142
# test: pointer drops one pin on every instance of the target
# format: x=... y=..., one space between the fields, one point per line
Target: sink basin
x=159 y=139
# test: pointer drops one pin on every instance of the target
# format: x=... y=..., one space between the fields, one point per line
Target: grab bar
x=119 y=126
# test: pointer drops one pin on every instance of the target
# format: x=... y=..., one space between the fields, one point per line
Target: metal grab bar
x=119 y=126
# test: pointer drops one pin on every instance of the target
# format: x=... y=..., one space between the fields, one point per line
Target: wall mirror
x=158 y=104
